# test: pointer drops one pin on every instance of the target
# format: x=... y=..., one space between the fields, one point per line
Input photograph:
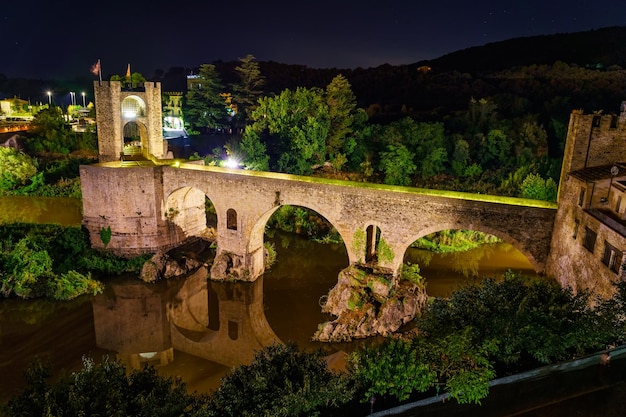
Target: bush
x=281 y=381
x=16 y=169
x=104 y=389
x=54 y=261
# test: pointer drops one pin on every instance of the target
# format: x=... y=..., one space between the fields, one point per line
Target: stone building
x=589 y=236
x=129 y=120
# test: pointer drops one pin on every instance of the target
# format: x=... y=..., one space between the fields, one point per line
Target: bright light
x=130 y=114
x=231 y=163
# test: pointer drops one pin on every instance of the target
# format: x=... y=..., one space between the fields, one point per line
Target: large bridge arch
x=503 y=235
x=257 y=233
x=185 y=209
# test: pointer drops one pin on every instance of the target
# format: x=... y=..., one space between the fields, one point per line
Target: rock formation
x=369 y=304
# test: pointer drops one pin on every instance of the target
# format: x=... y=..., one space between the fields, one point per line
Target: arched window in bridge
x=371 y=243
x=231 y=219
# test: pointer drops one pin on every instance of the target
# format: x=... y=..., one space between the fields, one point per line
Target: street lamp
x=83 y=94
x=49 y=98
x=72 y=98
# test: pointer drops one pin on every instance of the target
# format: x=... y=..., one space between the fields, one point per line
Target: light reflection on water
x=180 y=323
x=56 y=210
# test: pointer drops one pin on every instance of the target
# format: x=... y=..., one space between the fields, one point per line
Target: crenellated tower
x=129 y=120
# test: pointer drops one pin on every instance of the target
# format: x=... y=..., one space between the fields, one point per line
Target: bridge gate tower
x=129 y=120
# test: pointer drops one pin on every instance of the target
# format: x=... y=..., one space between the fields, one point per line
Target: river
x=198 y=329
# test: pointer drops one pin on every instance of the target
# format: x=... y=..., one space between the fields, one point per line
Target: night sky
x=61 y=39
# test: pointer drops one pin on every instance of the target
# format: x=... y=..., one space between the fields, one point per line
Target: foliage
x=270 y=257
x=303 y=221
x=358 y=242
x=54 y=261
x=397 y=165
x=248 y=90
x=396 y=367
x=401 y=367
x=281 y=381
x=52 y=134
x=341 y=103
x=532 y=321
x=385 y=252
x=16 y=168
x=534 y=186
x=297 y=124
x=511 y=325
x=104 y=389
x=411 y=272
x=204 y=106
x=453 y=240
x=105 y=235
x=254 y=152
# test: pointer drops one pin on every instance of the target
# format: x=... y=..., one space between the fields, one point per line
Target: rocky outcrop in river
x=369 y=304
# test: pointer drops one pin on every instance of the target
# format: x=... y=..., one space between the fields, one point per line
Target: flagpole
x=100 y=71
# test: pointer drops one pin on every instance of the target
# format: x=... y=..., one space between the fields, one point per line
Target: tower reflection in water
x=223 y=322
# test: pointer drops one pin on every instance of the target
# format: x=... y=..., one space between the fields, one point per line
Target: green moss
x=358 y=243
x=385 y=253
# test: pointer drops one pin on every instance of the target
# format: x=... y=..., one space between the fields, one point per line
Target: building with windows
x=589 y=238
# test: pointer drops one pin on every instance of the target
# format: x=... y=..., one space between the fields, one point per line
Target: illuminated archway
x=190 y=211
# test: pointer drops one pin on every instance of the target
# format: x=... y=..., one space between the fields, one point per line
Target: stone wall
x=594 y=144
x=156 y=207
x=109 y=97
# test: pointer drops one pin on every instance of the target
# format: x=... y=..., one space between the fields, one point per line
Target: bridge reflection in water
x=222 y=322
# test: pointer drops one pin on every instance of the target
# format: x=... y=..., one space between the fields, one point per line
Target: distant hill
x=600 y=48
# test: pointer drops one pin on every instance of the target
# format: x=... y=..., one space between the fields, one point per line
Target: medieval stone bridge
x=156 y=207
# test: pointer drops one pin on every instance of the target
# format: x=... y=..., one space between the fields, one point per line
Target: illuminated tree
x=397 y=165
x=249 y=88
x=204 y=106
x=294 y=126
x=341 y=107
x=16 y=168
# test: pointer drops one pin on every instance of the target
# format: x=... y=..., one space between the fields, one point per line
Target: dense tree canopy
x=249 y=88
x=204 y=106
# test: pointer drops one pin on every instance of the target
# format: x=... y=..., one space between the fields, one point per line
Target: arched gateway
x=129 y=119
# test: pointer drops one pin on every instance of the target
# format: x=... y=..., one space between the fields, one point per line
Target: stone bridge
x=156 y=207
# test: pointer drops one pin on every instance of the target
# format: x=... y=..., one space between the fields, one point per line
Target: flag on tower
x=96 y=70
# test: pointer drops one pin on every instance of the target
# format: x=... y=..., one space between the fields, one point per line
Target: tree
x=535 y=187
x=460 y=157
x=397 y=164
x=249 y=88
x=104 y=389
x=281 y=381
x=254 y=152
x=204 y=106
x=295 y=126
x=341 y=107
x=16 y=168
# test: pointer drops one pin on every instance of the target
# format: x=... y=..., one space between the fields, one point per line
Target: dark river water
x=198 y=329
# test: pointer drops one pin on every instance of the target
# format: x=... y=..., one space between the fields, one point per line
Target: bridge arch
x=505 y=237
x=185 y=209
x=257 y=233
